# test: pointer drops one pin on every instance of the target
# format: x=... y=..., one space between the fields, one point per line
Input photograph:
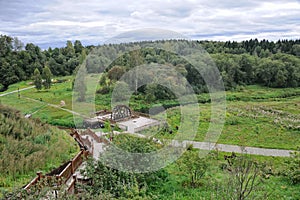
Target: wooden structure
x=62 y=174
x=65 y=174
x=121 y=112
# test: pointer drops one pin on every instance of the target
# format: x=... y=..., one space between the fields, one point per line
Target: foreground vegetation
x=238 y=177
x=28 y=146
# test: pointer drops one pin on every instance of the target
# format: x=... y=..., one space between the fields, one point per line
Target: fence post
x=39 y=174
x=74 y=178
x=58 y=179
x=72 y=166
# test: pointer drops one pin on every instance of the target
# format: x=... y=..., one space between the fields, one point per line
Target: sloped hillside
x=27 y=146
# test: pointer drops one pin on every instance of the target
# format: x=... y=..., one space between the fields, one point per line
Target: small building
x=124 y=117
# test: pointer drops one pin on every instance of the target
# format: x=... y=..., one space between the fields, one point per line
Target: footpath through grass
x=256 y=116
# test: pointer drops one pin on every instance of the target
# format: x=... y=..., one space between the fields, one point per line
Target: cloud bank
x=51 y=23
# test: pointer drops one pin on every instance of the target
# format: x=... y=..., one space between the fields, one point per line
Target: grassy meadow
x=255 y=116
x=274 y=186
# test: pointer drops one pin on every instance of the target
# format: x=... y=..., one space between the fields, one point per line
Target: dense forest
x=268 y=63
x=18 y=62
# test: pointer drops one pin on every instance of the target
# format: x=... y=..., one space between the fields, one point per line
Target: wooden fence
x=69 y=168
x=93 y=135
x=63 y=174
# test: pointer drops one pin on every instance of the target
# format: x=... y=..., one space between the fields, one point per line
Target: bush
x=104 y=90
x=293 y=169
x=121 y=183
x=232 y=120
x=194 y=167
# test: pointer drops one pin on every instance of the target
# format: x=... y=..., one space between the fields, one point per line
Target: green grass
x=259 y=93
x=61 y=149
x=277 y=186
x=33 y=101
x=28 y=146
x=241 y=128
x=20 y=85
x=256 y=116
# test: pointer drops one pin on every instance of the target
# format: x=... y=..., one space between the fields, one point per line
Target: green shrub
x=293 y=169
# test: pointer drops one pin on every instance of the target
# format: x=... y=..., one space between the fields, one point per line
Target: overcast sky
x=52 y=23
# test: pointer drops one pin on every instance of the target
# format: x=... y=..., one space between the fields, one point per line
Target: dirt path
x=239 y=149
x=54 y=106
x=15 y=91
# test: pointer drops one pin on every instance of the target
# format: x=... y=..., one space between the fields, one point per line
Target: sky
x=53 y=22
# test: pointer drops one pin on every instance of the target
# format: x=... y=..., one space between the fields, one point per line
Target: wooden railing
x=64 y=175
x=102 y=112
x=65 y=172
x=135 y=113
x=74 y=133
x=77 y=160
x=93 y=135
x=33 y=181
x=71 y=188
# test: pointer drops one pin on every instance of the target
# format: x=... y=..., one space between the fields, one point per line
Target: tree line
x=265 y=63
x=18 y=61
x=268 y=63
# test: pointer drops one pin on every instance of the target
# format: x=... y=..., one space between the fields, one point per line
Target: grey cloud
x=146 y=34
x=231 y=4
x=95 y=21
x=17 y=10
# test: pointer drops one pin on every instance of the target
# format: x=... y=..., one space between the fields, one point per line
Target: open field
x=256 y=116
x=257 y=124
x=275 y=186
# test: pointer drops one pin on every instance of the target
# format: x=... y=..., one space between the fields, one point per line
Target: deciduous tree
x=47 y=77
x=80 y=84
x=37 y=79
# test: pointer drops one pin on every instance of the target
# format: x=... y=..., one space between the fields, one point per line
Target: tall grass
x=29 y=145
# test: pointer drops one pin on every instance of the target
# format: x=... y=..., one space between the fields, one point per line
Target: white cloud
x=95 y=21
